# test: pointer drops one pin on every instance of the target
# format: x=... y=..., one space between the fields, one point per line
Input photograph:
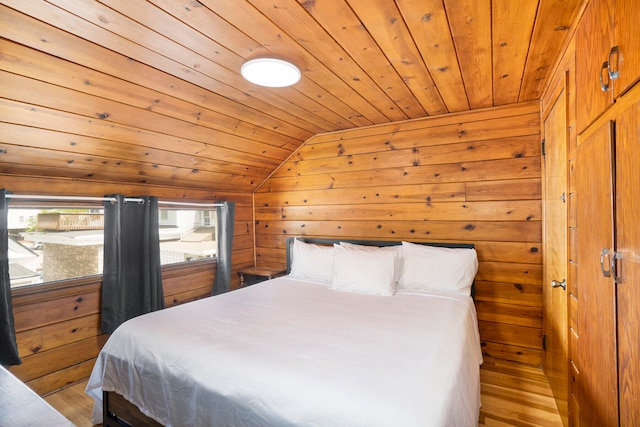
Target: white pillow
x=369 y=271
x=435 y=268
x=392 y=248
x=311 y=261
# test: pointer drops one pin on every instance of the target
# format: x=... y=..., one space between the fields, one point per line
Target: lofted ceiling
x=164 y=75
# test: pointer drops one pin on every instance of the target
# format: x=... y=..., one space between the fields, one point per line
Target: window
x=186 y=235
x=52 y=244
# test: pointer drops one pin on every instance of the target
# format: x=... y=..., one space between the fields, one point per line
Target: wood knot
x=309 y=4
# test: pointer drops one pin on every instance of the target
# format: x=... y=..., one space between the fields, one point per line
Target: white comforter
x=292 y=353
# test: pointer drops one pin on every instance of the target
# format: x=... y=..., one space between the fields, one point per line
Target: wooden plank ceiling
x=150 y=91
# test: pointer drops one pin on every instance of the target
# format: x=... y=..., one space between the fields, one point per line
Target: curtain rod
x=104 y=199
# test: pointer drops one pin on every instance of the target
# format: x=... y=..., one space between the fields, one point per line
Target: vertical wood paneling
x=384 y=22
x=512 y=26
x=555 y=20
x=339 y=20
x=429 y=26
x=475 y=179
x=245 y=18
x=470 y=22
x=297 y=20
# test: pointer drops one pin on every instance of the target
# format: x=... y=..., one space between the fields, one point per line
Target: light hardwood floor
x=512 y=395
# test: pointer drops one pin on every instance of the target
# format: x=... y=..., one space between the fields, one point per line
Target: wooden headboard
x=324 y=241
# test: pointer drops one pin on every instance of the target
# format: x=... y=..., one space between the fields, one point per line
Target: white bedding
x=289 y=353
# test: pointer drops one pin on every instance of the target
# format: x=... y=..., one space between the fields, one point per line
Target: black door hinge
x=544 y=342
x=544 y=153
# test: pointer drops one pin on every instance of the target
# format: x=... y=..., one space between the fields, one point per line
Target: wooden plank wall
x=465 y=177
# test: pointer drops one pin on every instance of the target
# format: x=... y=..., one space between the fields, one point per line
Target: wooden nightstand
x=260 y=273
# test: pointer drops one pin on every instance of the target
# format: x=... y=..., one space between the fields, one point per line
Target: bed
x=316 y=347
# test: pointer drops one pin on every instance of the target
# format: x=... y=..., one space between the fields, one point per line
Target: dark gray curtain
x=132 y=278
x=8 y=346
x=225 y=213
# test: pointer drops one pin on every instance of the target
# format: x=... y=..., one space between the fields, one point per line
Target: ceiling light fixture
x=270 y=72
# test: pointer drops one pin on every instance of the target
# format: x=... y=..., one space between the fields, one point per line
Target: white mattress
x=290 y=353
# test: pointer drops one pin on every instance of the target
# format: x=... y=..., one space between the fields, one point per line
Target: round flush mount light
x=270 y=72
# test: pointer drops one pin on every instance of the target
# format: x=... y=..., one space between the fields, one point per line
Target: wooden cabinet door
x=594 y=40
x=628 y=246
x=598 y=382
x=627 y=37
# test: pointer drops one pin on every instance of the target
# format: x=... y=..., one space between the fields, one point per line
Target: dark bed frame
x=119 y=412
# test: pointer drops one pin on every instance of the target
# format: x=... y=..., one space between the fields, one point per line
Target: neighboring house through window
x=52 y=244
